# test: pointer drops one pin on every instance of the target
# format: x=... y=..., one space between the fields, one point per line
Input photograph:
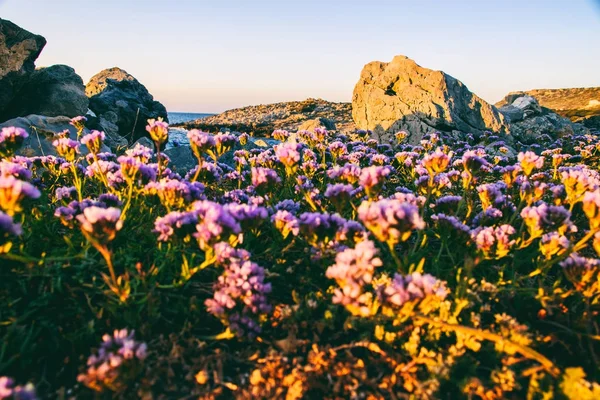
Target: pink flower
x=391 y=221
x=101 y=223
x=158 y=130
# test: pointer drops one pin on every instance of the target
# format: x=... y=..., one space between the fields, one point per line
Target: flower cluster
x=240 y=292
x=116 y=363
x=353 y=269
x=415 y=286
x=8 y=390
x=391 y=221
x=437 y=252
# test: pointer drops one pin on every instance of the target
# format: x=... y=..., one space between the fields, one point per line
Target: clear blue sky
x=208 y=56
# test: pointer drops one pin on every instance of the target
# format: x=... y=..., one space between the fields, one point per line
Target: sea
x=178 y=136
x=181 y=117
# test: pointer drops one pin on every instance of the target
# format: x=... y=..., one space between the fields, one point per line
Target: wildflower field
x=328 y=266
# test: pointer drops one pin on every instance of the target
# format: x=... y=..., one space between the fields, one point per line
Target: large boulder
x=401 y=95
x=18 y=51
x=534 y=120
x=42 y=131
x=51 y=91
x=122 y=103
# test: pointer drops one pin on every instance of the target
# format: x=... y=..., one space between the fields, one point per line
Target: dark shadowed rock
x=181 y=159
x=401 y=95
x=122 y=104
x=18 y=51
x=51 y=91
x=41 y=131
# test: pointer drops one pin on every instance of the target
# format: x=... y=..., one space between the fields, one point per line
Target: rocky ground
x=263 y=119
x=577 y=104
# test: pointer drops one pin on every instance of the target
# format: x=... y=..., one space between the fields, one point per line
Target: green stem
x=395 y=257
x=77 y=181
x=129 y=196
x=102 y=175
x=158 y=160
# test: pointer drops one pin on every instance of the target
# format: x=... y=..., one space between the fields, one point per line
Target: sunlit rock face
x=18 y=51
x=402 y=95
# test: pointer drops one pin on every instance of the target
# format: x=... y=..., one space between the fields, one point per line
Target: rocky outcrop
x=262 y=120
x=52 y=91
x=578 y=104
x=401 y=95
x=41 y=131
x=122 y=104
x=528 y=120
x=18 y=51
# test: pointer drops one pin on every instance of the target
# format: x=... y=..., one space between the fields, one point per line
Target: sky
x=209 y=56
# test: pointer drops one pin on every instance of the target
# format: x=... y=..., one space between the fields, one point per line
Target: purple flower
x=66 y=147
x=158 y=130
x=415 y=286
x=337 y=149
x=8 y=390
x=553 y=244
x=264 y=178
x=372 y=178
x=577 y=181
x=240 y=293
x=287 y=154
x=215 y=223
x=65 y=193
x=451 y=227
x=11 y=138
x=436 y=162
x=141 y=152
x=200 y=141
x=348 y=173
x=209 y=173
x=286 y=223
x=447 y=204
x=391 y=221
x=176 y=224
x=102 y=224
x=249 y=216
x=340 y=194
x=12 y=193
x=101 y=167
x=288 y=205
x=223 y=143
x=115 y=355
x=529 y=161
x=19 y=170
x=494 y=242
x=93 y=141
x=280 y=134
x=8 y=230
x=175 y=193
x=353 y=269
